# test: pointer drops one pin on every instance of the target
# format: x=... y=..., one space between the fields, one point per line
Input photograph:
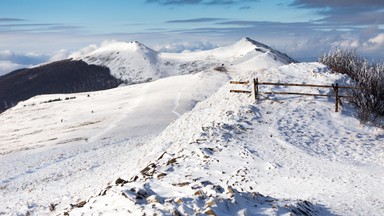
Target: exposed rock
x=161 y=175
x=120 y=181
x=152 y=199
x=172 y=161
x=181 y=184
x=209 y=211
x=149 y=170
x=79 y=204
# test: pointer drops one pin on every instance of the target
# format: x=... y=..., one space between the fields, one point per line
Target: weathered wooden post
x=336 y=88
x=256 y=87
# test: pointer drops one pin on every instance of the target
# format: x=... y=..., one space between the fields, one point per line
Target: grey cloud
x=363 y=18
x=64 y=27
x=198 y=20
x=174 y=2
x=37 y=27
x=245 y=8
x=27 y=25
x=205 y=2
x=10 y=19
x=355 y=12
x=339 y=3
x=221 y=2
x=281 y=27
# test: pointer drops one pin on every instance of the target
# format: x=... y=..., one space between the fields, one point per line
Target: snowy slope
x=135 y=63
x=132 y=62
x=58 y=151
x=185 y=145
x=232 y=156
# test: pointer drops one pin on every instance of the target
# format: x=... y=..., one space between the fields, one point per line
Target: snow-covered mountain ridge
x=119 y=62
x=185 y=145
x=135 y=63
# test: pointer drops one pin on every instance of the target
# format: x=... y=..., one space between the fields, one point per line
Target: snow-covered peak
x=247 y=45
x=245 y=52
x=124 y=47
x=243 y=46
x=134 y=62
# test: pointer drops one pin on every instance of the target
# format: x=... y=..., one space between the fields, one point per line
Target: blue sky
x=32 y=31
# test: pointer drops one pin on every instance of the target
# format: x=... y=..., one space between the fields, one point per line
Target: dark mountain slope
x=65 y=76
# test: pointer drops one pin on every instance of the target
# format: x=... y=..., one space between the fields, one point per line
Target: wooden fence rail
x=239 y=82
x=256 y=85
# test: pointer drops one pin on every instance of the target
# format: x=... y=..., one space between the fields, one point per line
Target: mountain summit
x=135 y=63
x=129 y=63
x=132 y=62
x=264 y=48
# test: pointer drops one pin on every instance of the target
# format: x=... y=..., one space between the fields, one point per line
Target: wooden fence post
x=256 y=87
x=336 y=88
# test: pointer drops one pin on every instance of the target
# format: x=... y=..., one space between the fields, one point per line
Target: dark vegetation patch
x=61 y=77
x=368 y=77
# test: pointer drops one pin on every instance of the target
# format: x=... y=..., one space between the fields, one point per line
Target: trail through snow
x=177 y=103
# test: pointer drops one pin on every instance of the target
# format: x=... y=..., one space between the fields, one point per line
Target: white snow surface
x=184 y=145
x=135 y=63
x=60 y=150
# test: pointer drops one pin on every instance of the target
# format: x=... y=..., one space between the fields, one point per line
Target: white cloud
x=346 y=44
x=375 y=44
x=83 y=51
x=90 y=48
x=185 y=47
x=60 y=55
x=312 y=48
x=8 y=66
x=108 y=42
x=10 y=61
x=29 y=58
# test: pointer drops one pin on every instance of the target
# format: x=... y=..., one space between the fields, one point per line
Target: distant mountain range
x=120 y=62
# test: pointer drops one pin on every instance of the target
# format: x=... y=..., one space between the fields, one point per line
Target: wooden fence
x=256 y=83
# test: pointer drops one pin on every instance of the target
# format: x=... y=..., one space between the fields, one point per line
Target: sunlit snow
x=183 y=144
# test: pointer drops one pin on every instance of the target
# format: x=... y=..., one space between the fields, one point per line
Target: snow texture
x=184 y=145
x=135 y=63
